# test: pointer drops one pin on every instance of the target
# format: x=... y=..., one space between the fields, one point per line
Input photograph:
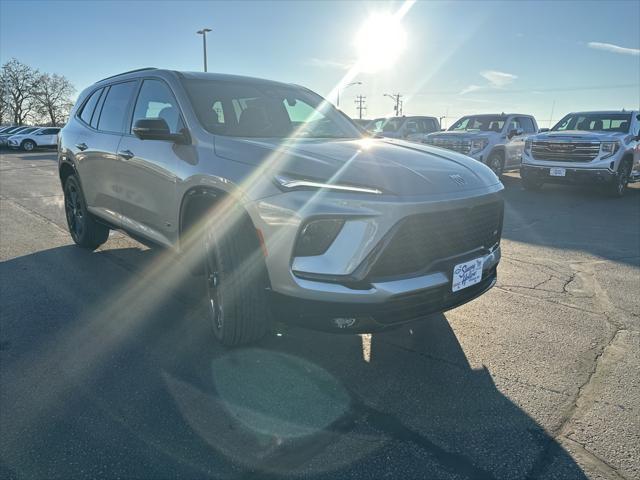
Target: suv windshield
x=265 y=110
x=595 y=122
x=483 y=123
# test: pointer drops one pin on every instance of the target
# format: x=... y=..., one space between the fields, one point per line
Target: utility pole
x=396 y=98
x=203 y=32
x=360 y=105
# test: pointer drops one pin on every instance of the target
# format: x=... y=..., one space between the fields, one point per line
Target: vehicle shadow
x=579 y=218
x=105 y=373
x=40 y=154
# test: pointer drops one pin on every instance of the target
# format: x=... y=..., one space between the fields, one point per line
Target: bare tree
x=52 y=98
x=18 y=82
x=4 y=106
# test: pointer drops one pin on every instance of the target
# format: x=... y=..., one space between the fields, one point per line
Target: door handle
x=81 y=146
x=126 y=154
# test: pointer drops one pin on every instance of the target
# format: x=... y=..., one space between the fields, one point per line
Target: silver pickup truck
x=586 y=147
x=496 y=140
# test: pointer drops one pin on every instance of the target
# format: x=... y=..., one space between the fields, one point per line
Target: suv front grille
x=565 y=151
x=460 y=146
x=423 y=239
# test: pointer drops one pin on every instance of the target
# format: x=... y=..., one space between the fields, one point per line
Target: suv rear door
x=148 y=180
x=103 y=117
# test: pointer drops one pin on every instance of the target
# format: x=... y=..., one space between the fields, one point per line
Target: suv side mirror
x=542 y=130
x=156 y=129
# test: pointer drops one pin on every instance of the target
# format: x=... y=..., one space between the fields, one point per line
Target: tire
x=618 y=186
x=531 y=184
x=83 y=227
x=236 y=285
x=28 y=145
x=495 y=162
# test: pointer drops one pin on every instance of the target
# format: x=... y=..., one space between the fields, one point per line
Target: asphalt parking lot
x=106 y=370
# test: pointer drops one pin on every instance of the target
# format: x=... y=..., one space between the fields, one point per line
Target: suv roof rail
x=125 y=73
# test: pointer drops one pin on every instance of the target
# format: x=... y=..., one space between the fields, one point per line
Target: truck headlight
x=527 y=146
x=608 y=148
x=479 y=144
x=290 y=183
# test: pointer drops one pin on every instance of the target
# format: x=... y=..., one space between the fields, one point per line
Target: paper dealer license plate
x=467 y=274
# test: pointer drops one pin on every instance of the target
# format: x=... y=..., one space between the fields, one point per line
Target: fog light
x=316 y=236
x=344 y=322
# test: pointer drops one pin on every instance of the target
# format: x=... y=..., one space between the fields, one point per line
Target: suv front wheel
x=236 y=283
x=83 y=227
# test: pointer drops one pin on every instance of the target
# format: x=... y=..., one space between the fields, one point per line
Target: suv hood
x=580 y=135
x=393 y=166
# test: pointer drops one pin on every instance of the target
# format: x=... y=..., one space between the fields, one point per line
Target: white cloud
x=498 y=79
x=494 y=78
x=470 y=88
x=610 y=47
x=325 y=63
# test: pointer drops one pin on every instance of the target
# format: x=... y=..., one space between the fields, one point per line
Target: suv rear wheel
x=83 y=227
x=236 y=282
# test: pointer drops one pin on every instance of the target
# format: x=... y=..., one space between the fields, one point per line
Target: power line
x=360 y=100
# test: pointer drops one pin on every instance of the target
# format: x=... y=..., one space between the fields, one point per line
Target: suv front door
x=148 y=174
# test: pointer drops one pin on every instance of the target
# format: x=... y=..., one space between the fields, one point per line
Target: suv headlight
x=608 y=148
x=479 y=144
x=290 y=183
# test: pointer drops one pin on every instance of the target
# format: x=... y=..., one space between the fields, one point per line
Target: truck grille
x=460 y=146
x=565 y=151
x=423 y=239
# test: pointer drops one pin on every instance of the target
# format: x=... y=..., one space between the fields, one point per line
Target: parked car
x=4 y=138
x=278 y=201
x=409 y=128
x=37 y=138
x=586 y=147
x=495 y=139
x=12 y=131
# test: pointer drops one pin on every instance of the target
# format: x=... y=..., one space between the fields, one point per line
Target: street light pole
x=203 y=32
x=346 y=86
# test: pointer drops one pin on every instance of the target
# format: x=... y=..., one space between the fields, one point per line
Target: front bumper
x=573 y=175
x=369 y=317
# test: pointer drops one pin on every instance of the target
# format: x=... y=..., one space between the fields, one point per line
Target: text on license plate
x=557 y=172
x=467 y=274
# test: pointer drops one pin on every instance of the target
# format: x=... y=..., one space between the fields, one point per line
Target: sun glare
x=380 y=42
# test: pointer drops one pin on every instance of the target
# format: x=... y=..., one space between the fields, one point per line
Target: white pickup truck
x=586 y=147
x=496 y=140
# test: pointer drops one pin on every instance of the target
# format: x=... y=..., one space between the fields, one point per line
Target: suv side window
x=156 y=100
x=527 y=125
x=115 y=107
x=89 y=106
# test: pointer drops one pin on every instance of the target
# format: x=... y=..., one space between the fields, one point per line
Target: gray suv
x=279 y=202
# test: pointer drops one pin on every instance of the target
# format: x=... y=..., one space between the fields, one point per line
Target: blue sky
x=459 y=58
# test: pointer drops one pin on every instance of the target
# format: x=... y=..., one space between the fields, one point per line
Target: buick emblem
x=457 y=179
